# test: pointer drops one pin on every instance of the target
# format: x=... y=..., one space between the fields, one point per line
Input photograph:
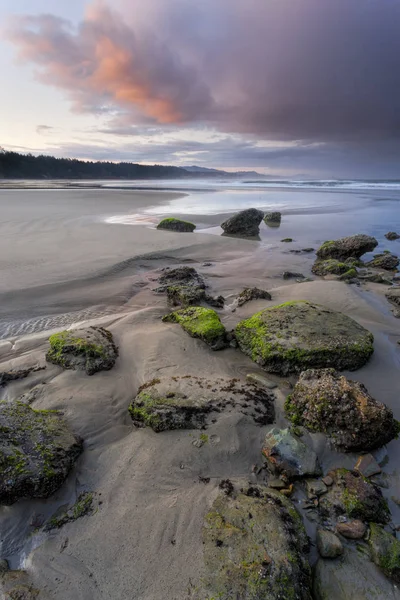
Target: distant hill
x=26 y=166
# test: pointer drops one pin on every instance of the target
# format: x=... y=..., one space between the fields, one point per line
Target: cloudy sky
x=286 y=87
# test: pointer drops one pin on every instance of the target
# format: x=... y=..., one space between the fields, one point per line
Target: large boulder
x=255 y=547
x=173 y=224
x=348 y=247
x=351 y=577
x=385 y=551
x=201 y=323
x=185 y=402
x=354 y=496
x=385 y=261
x=246 y=223
x=287 y=455
x=325 y=401
x=37 y=451
x=89 y=349
x=295 y=336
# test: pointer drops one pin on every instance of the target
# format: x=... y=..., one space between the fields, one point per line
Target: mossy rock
x=255 y=546
x=89 y=349
x=37 y=451
x=185 y=287
x=201 y=323
x=385 y=551
x=385 y=261
x=348 y=247
x=186 y=402
x=173 y=224
x=330 y=267
x=273 y=219
x=244 y=223
x=295 y=336
x=354 y=496
x=325 y=401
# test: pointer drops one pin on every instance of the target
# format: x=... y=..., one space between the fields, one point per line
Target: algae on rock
x=90 y=349
x=37 y=451
x=202 y=323
x=178 y=225
x=295 y=336
x=255 y=547
x=385 y=551
x=325 y=401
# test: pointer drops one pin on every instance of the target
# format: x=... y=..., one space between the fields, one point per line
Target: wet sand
x=144 y=539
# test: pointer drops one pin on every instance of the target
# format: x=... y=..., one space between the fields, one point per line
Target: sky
x=290 y=88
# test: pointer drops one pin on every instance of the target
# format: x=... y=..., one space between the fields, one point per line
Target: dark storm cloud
x=288 y=69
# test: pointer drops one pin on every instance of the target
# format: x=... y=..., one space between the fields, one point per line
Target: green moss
x=198 y=322
x=59 y=342
x=350 y=274
x=176 y=224
x=330 y=266
x=204 y=438
x=83 y=506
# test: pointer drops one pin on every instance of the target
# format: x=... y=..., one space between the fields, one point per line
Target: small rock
x=352 y=530
x=327 y=480
x=348 y=247
x=277 y=484
x=3 y=567
x=273 y=218
x=261 y=380
x=287 y=240
x=392 y=235
x=367 y=466
x=308 y=250
x=288 y=455
x=316 y=487
x=385 y=260
x=249 y=294
x=291 y=275
x=329 y=545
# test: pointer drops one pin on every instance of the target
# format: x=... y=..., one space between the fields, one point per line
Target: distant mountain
x=26 y=166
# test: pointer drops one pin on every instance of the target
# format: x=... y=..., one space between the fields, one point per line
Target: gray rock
x=385 y=261
x=328 y=544
x=37 y=451
x=89 y=349
x=254 y=293
x=385 y=551
x=352 y=530
x=185 y=402
x=316 y=487
x=288 y=455
x=393 y=295
x=351 y=577
x=292 y=275
x=295 y=336
x=367 y=466
x=273 y=218
x=355 y=497
x=325 y=401
x=14 y=375
x=255 y=547
x=185 y=287
x=392 y=235
x=348 y=247
x=178 y=225
x=245 y=223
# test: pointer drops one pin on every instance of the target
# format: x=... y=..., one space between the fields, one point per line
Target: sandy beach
x=143 y=541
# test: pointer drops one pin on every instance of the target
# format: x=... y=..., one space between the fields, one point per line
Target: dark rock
x=385 y=551
x=185 y=402
x=308 y=250
x=348 y=247
x=273 y=218
x=82 y=507
x=294 y=336
x=392 y=235
x=351 y=577
x=249 y=294
x=354 y=496
x=327 y=480
x=37 y=451
x=316 y=487
x=393 y=296
x=367 y=466
x=89 y=349
x=331 y=266
x=245 y=223
x=352 y=530
x=7 y=376
x=385 y=261
x=325 y=401
x=3 y=567
x=201 y=323
x=185 y=287
x=288 y=455
x=291 y=275
x=255 y=547
x=176 y=225
x=287 y=240
x=328 y=544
